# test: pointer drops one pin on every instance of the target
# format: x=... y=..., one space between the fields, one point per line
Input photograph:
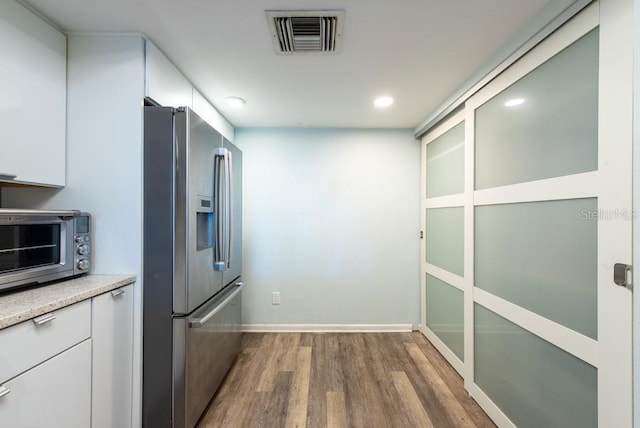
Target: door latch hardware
x=622 y=275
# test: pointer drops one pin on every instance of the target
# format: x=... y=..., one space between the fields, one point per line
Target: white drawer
x=55 y=394
x=29 y=343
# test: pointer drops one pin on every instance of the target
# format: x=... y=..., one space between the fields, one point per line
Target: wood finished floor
x=342 y=380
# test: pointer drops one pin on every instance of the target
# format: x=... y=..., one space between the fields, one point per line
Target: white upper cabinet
x=206 y=111
x=167 y=86
x=33 y=88
x=164 y=83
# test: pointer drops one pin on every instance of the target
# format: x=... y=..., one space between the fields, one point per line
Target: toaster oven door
x=32 y=252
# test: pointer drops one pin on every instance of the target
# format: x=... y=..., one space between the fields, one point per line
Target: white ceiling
x=418 y=51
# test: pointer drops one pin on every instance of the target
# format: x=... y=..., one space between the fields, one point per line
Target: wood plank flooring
x=342 y=380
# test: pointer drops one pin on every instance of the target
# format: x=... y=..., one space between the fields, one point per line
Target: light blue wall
x=331 y=221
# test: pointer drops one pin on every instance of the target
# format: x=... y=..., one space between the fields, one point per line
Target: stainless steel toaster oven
x=38 y=246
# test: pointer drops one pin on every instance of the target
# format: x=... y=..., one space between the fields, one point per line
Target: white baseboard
x=327 y=328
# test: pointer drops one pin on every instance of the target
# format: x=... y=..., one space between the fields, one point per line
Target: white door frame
x=636 y=210
x=615 y=138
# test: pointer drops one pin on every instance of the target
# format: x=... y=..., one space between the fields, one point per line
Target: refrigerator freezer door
x=195 y=280
x=158 y=266
x=234 y=269
x=205 y=345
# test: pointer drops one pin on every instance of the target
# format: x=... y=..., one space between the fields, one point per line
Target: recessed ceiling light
x=514 y=102
x=382 y=102
x=235 y=102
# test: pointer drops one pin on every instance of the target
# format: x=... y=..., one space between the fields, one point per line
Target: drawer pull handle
x=118 y=292
x=199 y=322
x=4 y=391
x=44 y=319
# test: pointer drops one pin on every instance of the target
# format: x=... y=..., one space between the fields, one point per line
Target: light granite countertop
x=22 y=305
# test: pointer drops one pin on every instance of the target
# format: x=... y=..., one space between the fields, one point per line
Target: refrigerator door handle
x=199 y=322
x=220 y=192
x=229 y=212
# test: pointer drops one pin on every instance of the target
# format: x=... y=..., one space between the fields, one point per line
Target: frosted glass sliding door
x=546 y=210
x=541 y=256
x=445 y=314
x=443 y=222
x=445 y=163
x=445 y=238
x=526 y=209
x=545 y=124
x=534 y=382
x=535 y=311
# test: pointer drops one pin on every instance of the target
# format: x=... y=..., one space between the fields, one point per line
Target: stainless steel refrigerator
x=192 y=264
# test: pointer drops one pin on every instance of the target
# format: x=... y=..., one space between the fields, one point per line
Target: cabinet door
x=56 y=393
x=33 y=87
x=164 y=83
x=25 y=345
x=112 y=337
x=205 y=110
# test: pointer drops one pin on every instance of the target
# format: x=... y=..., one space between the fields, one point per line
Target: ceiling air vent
x=306 y=32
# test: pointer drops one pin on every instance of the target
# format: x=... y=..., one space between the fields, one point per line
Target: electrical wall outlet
x=275 y=298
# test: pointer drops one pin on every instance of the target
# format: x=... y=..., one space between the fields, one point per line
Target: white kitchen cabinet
x=164 y=83
x=72 y=367
x=33 y=87
x=29 y=343
x=112 y=367
x=117 y=70
x=167 y=86
x=56 y=393
x=45 y=370
x=206 y=111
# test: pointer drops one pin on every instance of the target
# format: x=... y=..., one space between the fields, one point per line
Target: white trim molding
x=444 y=275
x=448 y=201
x=444 y=350
x=576 y=344
x=327 y=328
x=489 y=407
x=575 y=186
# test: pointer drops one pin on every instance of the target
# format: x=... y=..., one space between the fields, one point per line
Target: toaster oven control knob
x=79 y=239
x=84 y=264
x=83 y=249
